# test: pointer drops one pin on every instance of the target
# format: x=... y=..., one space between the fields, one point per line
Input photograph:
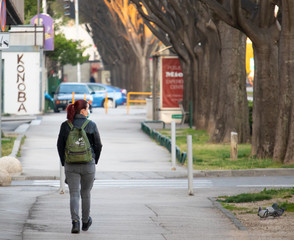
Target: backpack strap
x=82 y=127
x=85 y=124
x=70 y=124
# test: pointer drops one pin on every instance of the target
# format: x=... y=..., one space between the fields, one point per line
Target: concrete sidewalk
x=29 y=213
x=127 y=151
x=133 y=213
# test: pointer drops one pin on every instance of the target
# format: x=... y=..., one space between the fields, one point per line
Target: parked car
x=64 y=95
x=115 y=96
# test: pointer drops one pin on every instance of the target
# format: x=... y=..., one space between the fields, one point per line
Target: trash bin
x=149 y=108
x=48 y=102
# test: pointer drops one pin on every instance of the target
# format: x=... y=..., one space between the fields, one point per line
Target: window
x=78 y=89
x=96 y=88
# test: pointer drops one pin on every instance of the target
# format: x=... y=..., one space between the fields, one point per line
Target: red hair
x=73 y=109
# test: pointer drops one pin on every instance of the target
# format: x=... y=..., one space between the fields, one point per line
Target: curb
x=16 y=145
x=25 y=178
x=228 y=214
x=183 y=174
x=257 y=172
x=20 y=131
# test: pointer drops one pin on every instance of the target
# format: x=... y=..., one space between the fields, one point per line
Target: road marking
x=36 y=122
x=153 y=183
x=267 y=185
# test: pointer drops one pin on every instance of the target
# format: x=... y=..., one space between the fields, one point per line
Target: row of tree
x=123 y=41
x=209 y=36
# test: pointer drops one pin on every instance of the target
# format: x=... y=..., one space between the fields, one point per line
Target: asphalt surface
x=136 y=194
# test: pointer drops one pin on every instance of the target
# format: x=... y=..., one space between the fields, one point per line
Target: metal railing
x=135 y=101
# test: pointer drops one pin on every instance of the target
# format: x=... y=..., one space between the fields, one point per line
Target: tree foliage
x=189 y=28
x=67 y=51
x=125 y=44
x=31 y=9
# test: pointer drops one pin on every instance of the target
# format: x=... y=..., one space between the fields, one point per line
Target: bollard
x=62 y=179
x=173 y=145
x=234 y=145
x=106 y=102
x=73 y=98
x=190 y=165
x=113 y=99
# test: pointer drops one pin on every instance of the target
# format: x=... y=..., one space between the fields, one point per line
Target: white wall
x=21 y=82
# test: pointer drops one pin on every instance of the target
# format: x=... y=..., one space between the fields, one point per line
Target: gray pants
x=80 y=179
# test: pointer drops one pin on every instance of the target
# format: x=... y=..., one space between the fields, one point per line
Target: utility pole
x=77 y=29
x=38 y=11
x=44 y=6
x=67 y=12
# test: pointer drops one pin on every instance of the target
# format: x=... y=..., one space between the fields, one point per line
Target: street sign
x=4 y=40
x=3 y=15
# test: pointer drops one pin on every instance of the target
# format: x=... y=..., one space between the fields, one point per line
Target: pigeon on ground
x=277 y=211
x=262 y=213
x=271 y=211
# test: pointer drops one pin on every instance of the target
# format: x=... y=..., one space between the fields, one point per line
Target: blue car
x=115 y=96
x=63 y=95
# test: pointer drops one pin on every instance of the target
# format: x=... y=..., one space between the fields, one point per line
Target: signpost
x=4 y=43
x=172 y=82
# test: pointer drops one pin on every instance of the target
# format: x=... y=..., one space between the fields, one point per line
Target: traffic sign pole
x=0 y=103
x=3 y=44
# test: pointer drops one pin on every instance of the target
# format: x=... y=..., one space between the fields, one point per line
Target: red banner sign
x=172 y=83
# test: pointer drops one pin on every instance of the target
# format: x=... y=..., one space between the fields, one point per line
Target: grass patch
x=21 y=143
x=283 y=193
x=288 y=206
x=209 y=156
x=234 y=208
x=228 y=202
x=7 y=145
x=247 y=197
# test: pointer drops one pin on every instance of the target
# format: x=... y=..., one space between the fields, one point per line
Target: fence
x=164 y=141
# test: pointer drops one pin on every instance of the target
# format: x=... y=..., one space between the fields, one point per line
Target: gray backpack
x=77 y=147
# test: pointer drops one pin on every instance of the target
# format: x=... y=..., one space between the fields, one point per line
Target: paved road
x=209 y=183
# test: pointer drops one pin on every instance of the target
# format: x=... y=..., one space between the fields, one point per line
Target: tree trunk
x=188 y=78
x=233 y=112
x=214 y=80
x=284 y=144
x=260 y=25
x=201 y=104
x=266 y=95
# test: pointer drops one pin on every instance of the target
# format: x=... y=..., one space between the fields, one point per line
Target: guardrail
x=135 y=101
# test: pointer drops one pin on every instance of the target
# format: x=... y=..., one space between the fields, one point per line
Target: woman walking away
x=79 y=147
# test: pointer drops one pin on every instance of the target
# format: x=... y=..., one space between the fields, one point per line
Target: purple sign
x=47 y=21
